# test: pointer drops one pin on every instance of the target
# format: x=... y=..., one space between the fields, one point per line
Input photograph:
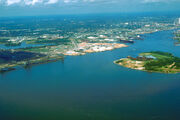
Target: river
x=91 y=87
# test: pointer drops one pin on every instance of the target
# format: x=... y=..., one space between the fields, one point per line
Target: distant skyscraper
x=177 y=21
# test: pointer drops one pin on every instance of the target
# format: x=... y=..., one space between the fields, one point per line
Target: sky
x=53 y=7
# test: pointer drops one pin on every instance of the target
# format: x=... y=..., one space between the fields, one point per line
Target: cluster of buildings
x=84 y=48
x=97 y=38
x=177 y=21
x=16 y=40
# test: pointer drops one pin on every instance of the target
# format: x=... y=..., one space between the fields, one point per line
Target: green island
x=156 y=61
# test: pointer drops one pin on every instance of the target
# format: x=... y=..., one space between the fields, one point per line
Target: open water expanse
x=91 y=87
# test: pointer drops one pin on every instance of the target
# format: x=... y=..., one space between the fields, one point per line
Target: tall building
x=177 y=21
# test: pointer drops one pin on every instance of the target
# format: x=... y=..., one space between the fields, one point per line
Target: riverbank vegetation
x=9 y=59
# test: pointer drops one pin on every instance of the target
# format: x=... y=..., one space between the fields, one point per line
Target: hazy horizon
x=59 y=7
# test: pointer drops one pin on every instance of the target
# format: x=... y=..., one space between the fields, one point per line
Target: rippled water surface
x=91 y=87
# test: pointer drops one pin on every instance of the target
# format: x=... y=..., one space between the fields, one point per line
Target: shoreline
x=12 y=66
x=93 y=48
x=6 y=67
x=158 y=62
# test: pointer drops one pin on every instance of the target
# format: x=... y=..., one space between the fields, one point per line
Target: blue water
x=91 y=87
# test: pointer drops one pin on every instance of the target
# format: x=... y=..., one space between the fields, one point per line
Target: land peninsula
x=39 y=41
x=9 y=59
x=155 y=61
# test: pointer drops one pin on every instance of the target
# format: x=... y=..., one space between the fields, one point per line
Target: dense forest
x=7 y=56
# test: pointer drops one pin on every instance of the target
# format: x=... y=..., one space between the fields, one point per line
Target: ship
x=126 y=41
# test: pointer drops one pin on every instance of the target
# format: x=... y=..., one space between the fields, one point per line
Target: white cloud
x=32 y=2
x=51 y=2
x=88 y=0
x=80 y=2
x=67 y=1
x=156 y=1
x=75 y=1
x=149 y=1
x=10 y=2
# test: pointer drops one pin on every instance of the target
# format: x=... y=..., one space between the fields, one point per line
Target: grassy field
x=153 y=62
